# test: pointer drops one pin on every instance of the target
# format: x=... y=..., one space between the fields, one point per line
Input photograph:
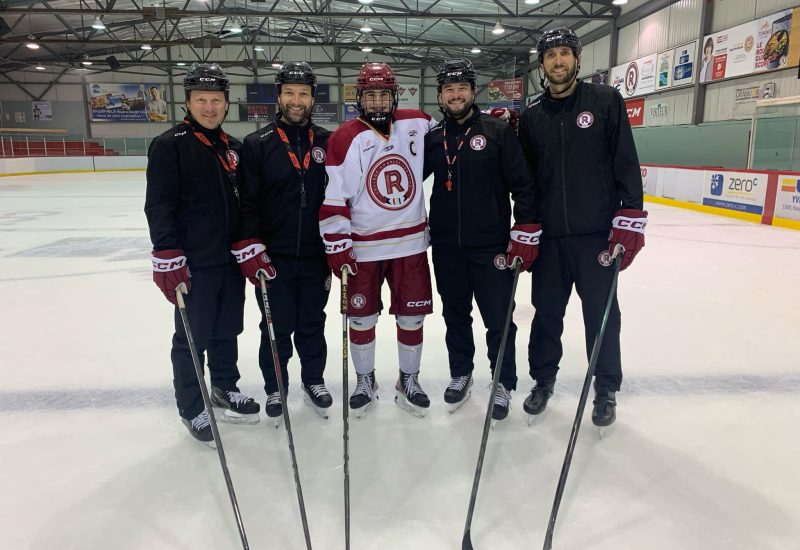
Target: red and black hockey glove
x=341 y=256
x=627 y=229
x=524 y=244
x=171 y=270
x=509 y=115
x=252 y=258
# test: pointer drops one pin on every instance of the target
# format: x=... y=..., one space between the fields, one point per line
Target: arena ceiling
x=409 y=32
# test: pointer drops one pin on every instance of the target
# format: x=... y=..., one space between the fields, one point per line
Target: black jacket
x=583 y=159
x=278 y=205
x=476 y=212
x=191 y=201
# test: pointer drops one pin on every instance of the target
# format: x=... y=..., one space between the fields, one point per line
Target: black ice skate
x=410 y=396
x=364 y=396
x=502 y=402
x=604 y=412
x=536 y=403
x=237 y=407
x=274 y=409
x=318 y=398
x=457 y=392
x=200 y=428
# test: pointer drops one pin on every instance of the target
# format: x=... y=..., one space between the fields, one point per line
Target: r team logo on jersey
x=477 y=143
x=390 y=183
x=318 y=154
x=500 y=262
x=604 y=258
x=358 y=301
x=585 y=120
x=233 y=157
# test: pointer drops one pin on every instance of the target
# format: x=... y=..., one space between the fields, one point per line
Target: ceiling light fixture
x=40 y=67
x=365 y=27
x=619 y=2
x=365 y=1
x=258 y=49
x=32 y=45
x=476 y=49
x=531 y=2
x=498 y=28
x=147 y=47
x=235 y=29
x=533 y=50
x=86 y=63
x=366 y=49
x=98 y=24
x=276 y=64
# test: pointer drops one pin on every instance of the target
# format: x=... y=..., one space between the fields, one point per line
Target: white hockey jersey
x=374 y=194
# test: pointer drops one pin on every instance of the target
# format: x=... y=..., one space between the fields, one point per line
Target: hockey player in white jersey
x=373 y=223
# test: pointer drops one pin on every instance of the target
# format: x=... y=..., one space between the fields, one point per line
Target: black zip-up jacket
x=279 y=206
x=583 y=158
x=191 y=200
x=476 y=212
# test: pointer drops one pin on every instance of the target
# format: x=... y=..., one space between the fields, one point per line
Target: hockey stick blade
x=466 y=542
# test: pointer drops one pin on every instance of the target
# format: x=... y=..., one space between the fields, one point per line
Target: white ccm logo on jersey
x=390 y=182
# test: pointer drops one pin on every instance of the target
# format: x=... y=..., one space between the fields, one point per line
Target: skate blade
x=536 y=418
x=231 y=417
x=453 y=407
x=212 y=444
x=605 y=431
x=276 y=420
x=406 y=405
x=364 y=411
x=319 y=410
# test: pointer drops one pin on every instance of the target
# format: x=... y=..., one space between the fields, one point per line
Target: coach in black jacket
x=579 y=145
x=283 y=185
x=477 y=164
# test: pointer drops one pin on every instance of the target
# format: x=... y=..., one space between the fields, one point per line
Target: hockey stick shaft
x=576 y=425
x=345 y=412
x=466 y=541
x=198 y=369
x=282 y=391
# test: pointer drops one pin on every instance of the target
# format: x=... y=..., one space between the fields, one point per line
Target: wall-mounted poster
x=41 y=110
x=325 y=113
x=505 y=93
x=128 y=102
x=256 y=112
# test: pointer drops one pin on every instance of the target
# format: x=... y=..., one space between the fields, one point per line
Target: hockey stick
x=466 y=541
x=198 y=369
x=279 y=375
x=345 y=424
x=576 y=425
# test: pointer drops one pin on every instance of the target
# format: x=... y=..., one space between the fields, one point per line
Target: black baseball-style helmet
x=206 y=76
x=296 y=72
x=555 y=38
x=455 y=70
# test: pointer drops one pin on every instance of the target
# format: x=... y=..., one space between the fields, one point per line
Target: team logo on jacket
x=585 y=119
x=390 y=182
x=318 y=153
x=233 y=157
x=500 y=262
x=358 y=301
x=477 y=142
x=604 y=258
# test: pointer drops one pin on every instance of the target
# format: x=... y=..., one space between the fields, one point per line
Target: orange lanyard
x=301 y=170
x=451 y=161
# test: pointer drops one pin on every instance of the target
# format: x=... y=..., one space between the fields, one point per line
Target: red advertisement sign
x=635 y=108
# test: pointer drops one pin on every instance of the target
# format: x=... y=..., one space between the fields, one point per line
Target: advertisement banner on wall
x=325 y=113
x=664 y=63
x=655 y=73
x=787 y=201
x=635 y=108
x=739 y=191
x=349 y=93
x=635 y=78
x=41 y=110
x=505 y=93
x=268 y=93
x=685 y=68
x=760 y=45
x=408 y=95
x=256 y=112
x=349 y=111
x=659 y=111
x=127 y=102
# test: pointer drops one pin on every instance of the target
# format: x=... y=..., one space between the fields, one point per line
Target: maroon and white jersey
x=374 y=194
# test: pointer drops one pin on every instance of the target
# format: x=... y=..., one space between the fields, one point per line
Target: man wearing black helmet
x=477 y=163
x=374 y=225
x=282 y=187
x=587 y=178
x=192 y=212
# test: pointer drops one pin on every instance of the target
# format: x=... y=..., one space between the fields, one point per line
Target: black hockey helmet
x=206 y=76
x=296 y=72
x=555 y=38
x=455 y=70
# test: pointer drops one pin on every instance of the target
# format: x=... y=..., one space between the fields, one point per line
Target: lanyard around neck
x=301 y=170
x=452 y=160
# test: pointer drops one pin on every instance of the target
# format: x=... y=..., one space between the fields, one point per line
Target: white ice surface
x=704 y=454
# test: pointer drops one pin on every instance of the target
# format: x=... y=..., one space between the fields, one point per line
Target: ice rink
x=704 y=454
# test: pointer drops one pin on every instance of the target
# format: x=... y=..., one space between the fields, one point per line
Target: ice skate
x=237 y=408
x=364 y=397
x=604 y=412
x=536 y=403
x=457 y=392
x=274 y=409
x=410 y=396
x=318 y=398
x=502 y=402
x=200 y=428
